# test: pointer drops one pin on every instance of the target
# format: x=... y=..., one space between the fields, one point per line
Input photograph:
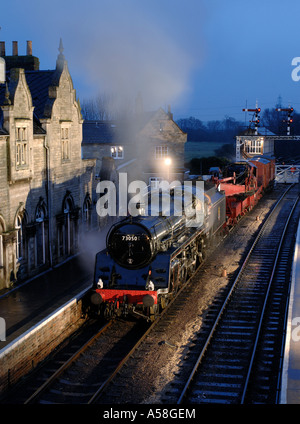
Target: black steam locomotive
x=147 y=258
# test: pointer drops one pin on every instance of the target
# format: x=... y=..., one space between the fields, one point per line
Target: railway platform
x=290 y=385
x=30 y=302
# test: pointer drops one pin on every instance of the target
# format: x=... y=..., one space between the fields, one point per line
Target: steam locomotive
x=147 y=258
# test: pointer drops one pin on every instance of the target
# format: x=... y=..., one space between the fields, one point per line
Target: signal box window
x=254 y=146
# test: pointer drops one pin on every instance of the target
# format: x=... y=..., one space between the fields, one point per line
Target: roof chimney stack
x=170 y=114
x=15 y=48
x=29 y=48
x=2 y=48
x=24 y=61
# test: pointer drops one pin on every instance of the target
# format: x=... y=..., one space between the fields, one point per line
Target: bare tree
x=107 y=107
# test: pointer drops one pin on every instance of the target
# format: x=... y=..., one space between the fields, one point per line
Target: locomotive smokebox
x=130 y=244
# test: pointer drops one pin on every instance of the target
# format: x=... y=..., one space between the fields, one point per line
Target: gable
x=162 y=128
x=20 y=94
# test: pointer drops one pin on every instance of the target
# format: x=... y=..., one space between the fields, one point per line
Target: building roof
x=107 y=132
x=98 y=132
x=39 y=83
x=262 y=131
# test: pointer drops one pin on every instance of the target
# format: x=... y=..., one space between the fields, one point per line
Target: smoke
x=125 y=51
x=124 y=47
x=150 y=67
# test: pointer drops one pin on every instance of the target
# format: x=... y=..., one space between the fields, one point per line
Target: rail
x=66 y=365
x=225 y=306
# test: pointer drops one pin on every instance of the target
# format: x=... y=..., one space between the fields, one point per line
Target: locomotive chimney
x=15 y=48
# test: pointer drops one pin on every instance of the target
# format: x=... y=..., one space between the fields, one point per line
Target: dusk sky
x=206 y=58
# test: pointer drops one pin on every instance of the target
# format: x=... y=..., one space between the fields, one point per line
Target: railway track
x=70 y=376
x=75 y=373
x=240 y=354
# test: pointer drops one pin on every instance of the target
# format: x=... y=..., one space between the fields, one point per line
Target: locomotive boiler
x=147 y=258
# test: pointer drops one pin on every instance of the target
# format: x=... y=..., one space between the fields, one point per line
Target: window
x=254 y=146
x=87 y=207
x=19 y=238
x=65 y=143
x=1 y=251
x=1 y=244
x=161 y=152
x=117 y=152
x=20 y=242
x=21 y=146
x=40 y=216
x=70 y=227
x=67 y=240
x=60 y=240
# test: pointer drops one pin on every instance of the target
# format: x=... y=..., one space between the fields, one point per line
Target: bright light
x=168 y=161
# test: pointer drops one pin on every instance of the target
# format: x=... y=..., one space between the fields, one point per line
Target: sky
x=205 y=58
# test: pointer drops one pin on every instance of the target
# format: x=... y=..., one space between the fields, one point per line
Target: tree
x=272 y=119
x=107 y=107
x=191 y=123
x=226 y=151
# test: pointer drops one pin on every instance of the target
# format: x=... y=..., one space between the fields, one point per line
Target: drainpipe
x=48 y=188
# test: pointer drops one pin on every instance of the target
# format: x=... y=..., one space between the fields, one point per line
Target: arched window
x=20 y=242
x=40 y=216
x=2 y=229
x=86 y=212
x=68 y=208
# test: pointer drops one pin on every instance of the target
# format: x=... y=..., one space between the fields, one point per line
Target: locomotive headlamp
x=100 y=284
x=149 y=285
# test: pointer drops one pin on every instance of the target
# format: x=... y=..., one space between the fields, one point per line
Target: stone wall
x=32 y=347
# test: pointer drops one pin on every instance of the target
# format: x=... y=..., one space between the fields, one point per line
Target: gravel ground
x=163 y=355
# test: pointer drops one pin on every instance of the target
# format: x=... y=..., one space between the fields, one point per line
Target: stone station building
x=45 y=186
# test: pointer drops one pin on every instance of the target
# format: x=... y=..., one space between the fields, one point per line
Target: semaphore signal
x=255 y=118
x=289 y=119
